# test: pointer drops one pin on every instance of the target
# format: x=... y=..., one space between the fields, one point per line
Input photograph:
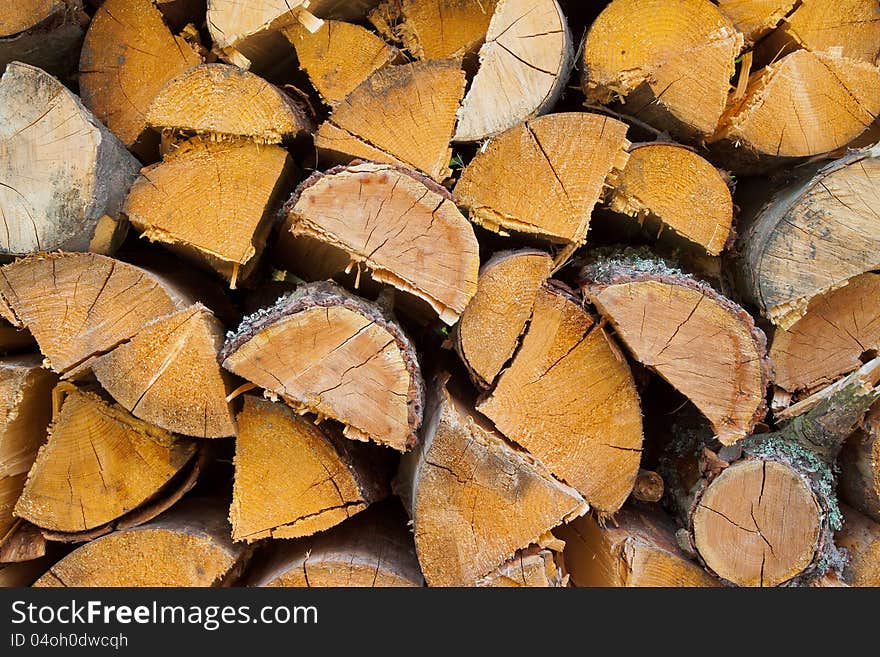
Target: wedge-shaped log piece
x=127 y=57
x=638 y=549
x=43 y=33
x=188 y=546
x=339 y=56
x=702 y=343
x=860 y=537
x=403 y=228
x=644 y=51
x=224 y=223
x=22 y=573
x=406 y=112
x=532 y=567
x=812 y=236
x=373 y=549
x=294 y=478
x=860 y=467
x=73 y=198
x=490 y=327
x=544 y=177
x=224 y=100
x=168 y=375
x=569 y=399
x=474 y=498
x=674 y=185
x=78 y=305
x=755 y=18
x=524 y=65
x=329 y=352
x=99 y=464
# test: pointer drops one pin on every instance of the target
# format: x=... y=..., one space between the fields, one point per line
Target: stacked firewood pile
x=445 y=292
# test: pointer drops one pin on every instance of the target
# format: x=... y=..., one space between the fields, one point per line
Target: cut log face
x=293 y=478
x=172 y=202
x=15 y=19
x=127 y=57
x=860 y=467
x=860 y=537
x=829 y=341
x=678 y=187
x=224 y=100
x=703 y=344
x=188 y=546
x=43 y=33
x=436 y=29
x=755 y=18
x=406 y=112
x=99 y=464
x=354 y=364
x=830 y=98
x=757 y=524
x=524 y=65
x=339 y=56
x=168 y=375
x=490 y=327
x=569 y=398
x=637 y=549
x=545 y=176
x=813 y=237
x=474 y=498
x=373 y=549
x=403 y=228
x=532 y=567
x=77 y=206
x=644 y=51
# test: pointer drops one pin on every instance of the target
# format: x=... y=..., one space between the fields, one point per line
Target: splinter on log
x=43 y=33
x=352 y=362
x=218 y=99
x=860 y=537
x=532 y=567
x=637 y=548
x=127 y=57
x=168 y=375
x=645 y=52
x=755 y=18
x=860 y=467
x=473 y=497
x=812 y=236
x=402 y=227
x=99 y=465
x=524 y=65
x=65 y=176
x=569 y=398
x=373 y=549
x=188 y=546
x=213 y=201
x=674 y=185
x=399 y=115
x=702 y=343
x=488 y=332
x=294 y=478
x=545 y=176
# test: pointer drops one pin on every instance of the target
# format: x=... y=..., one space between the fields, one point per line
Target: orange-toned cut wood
x=860 y=537
x=533 y=567
x=859 y=481
x=755 y=18
x=43 y=33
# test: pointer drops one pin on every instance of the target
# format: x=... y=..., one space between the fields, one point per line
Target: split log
x=533 y=567
x=643 y=51
x=811 y=237
x=702 y=343
x=188 y=546
x=168 y=375
x=339 y=57
x=860 y=467
x=569 y=398
x=372 y=549
x=860 y=537
x=755 y=18
x=473 y=497
x=402 y=227
x=545 y=176
x=171 y=203
x=636 y=548
x=354 y=363
x=73 y=199
x=839 y=330
x=675 y=186
x=524 y=65
x=222 y=100
x=25 y=412
x=103 y=469
x=293 y=478
x=489 y=330
x=399 y=115
x=127 y=57
x=42 y=33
